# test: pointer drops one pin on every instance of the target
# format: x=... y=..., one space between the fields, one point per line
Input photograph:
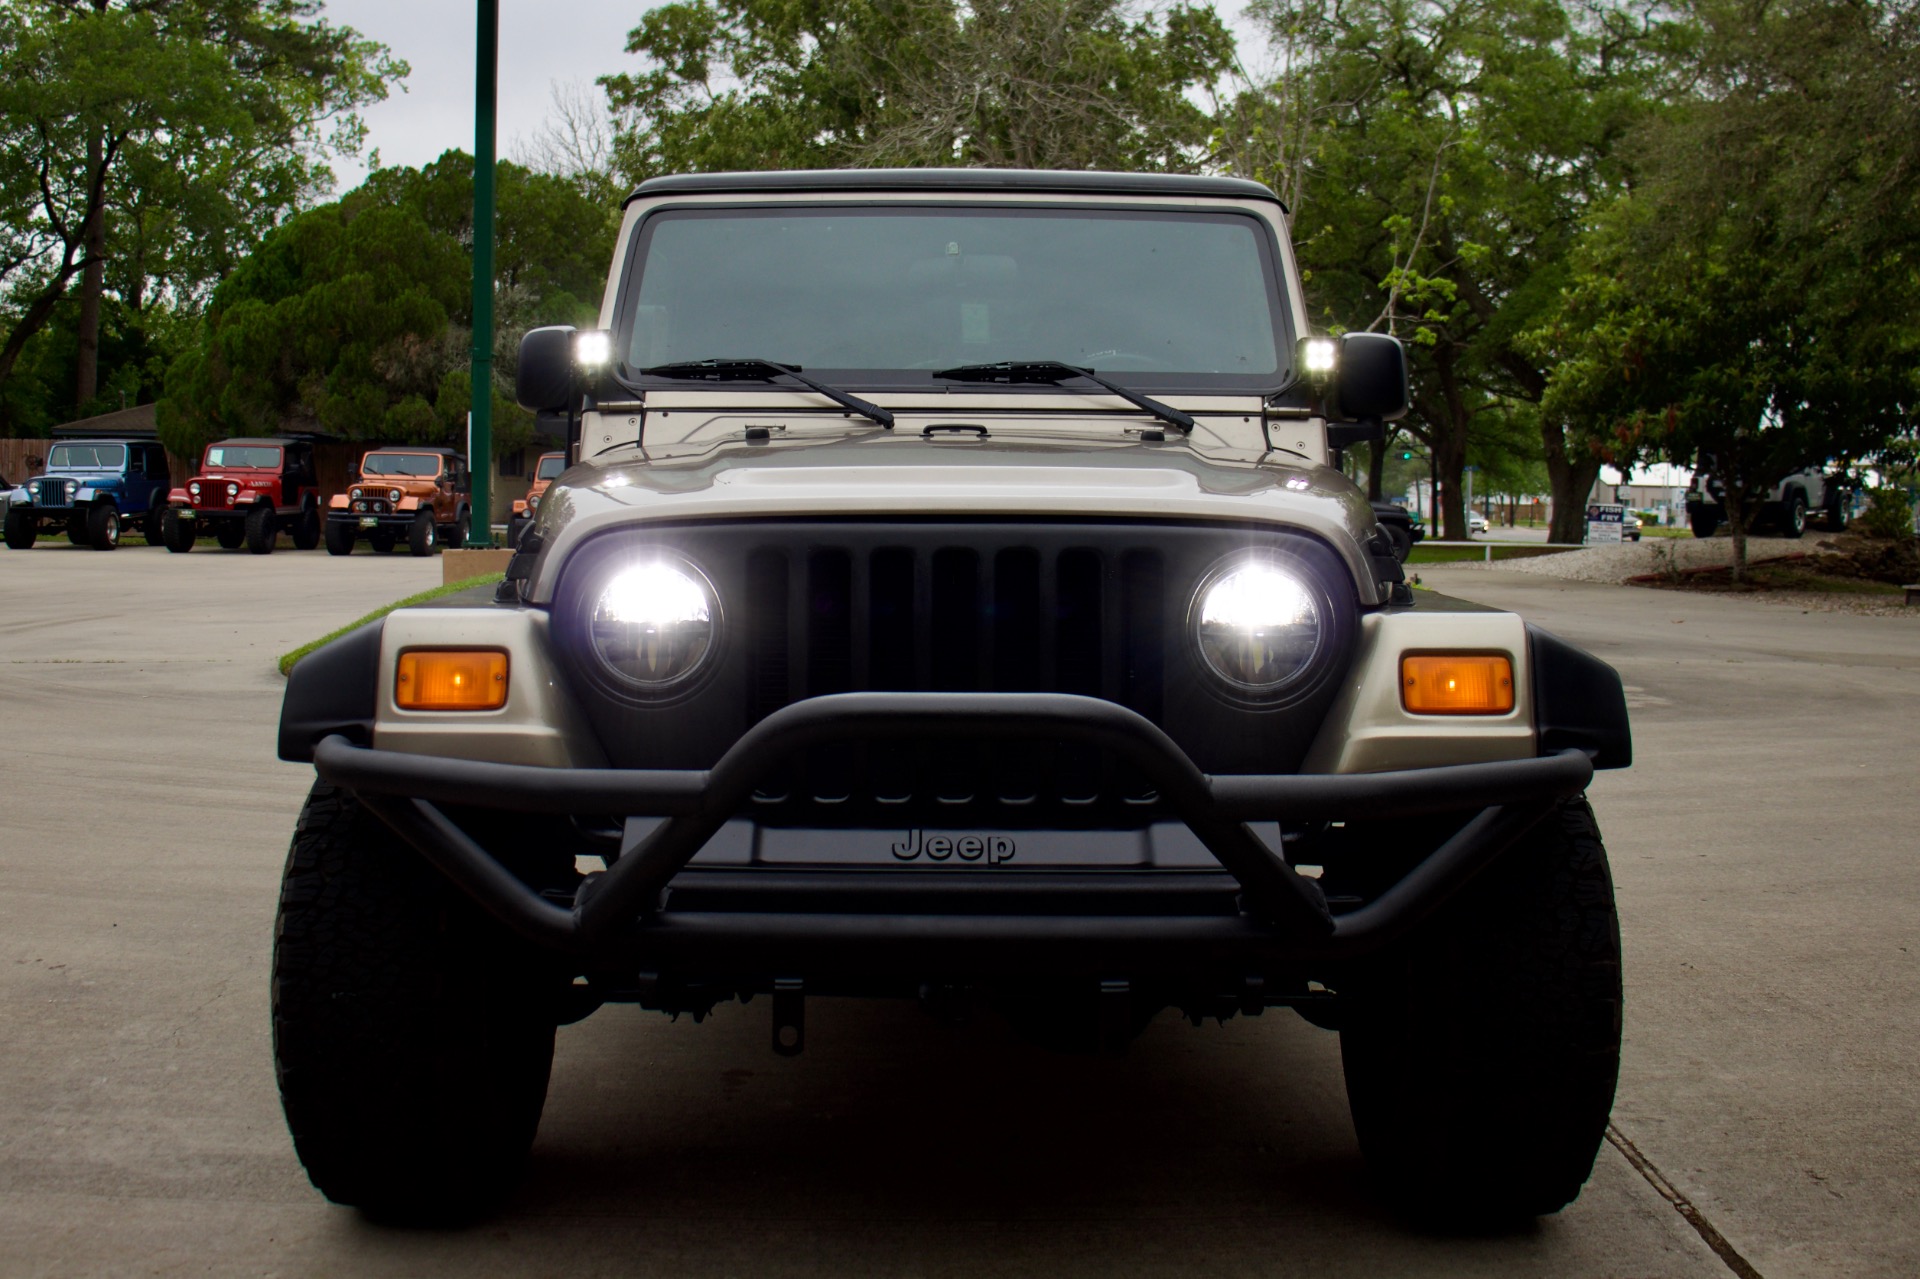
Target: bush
x=1889 y=513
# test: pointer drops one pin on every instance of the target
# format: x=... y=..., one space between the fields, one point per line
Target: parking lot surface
x=1761 y=845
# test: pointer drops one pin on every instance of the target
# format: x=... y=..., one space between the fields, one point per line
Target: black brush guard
x=616 y=916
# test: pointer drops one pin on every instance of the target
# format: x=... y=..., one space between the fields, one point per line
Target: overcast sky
x=541 y=42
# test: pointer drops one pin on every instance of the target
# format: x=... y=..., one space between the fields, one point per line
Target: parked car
x=525 y=511
x=1630 y=527
x=249 y=491
x=90 y=489
x=1402 y=528
x=420 y=494
x=1476 y=522
x=1781 y=509
x=1024 y=649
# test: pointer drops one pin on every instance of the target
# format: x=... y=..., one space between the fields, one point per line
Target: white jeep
x=949 y=598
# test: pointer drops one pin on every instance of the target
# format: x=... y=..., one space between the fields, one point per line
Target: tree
x=1442 y=154
x=757 y=84
x=1749 y=302
x=156 y=142
x=354 y=318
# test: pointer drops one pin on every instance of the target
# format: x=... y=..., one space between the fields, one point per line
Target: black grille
x=808 y=610
x=56 y=492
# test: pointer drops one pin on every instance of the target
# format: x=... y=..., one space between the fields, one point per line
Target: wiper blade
x=767 y=371
x=1014 y=372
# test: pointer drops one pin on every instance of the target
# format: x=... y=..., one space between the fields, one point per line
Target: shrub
x=1889 y=513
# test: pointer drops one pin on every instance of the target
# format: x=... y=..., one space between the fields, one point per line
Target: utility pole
x=486 y=92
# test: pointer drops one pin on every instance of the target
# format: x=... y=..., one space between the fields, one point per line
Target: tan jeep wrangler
x=952 y=598
x=545 y=472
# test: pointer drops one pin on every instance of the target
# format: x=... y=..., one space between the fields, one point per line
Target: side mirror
x=1370 y=381
x=544 y=379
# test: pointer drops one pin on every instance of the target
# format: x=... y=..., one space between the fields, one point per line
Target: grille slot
x=56 y=492
x=824 y=620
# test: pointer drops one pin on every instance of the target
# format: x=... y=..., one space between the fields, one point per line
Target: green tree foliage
x=149 y=145
x=1442 y=155
x=772 y=84
x=1750 y=302
x=354 y=318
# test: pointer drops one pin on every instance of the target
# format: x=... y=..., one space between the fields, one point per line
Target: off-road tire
x=1793 y=520
x=20 y=531
x=462 y=530
x=340 y=537
x=1401 y=540
x=411 y=1040
x=306 y=529
x=154 y=526
x=262 y=530
x=1481 y=1055
x=103 y=526
x=515 y=527
x=1703 y=525
x=422 y=536
x=77 y=529
x=382 y=539
x=229 y=534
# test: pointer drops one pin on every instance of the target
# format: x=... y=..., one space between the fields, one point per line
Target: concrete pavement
x=1759 y=848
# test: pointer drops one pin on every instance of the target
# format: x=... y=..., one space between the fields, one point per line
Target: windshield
x=890 y=296
x=86 y=457
x=243 y=457
x=417 y=465
x=550 y=466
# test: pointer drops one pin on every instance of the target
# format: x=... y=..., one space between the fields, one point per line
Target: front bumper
x=626 y=915
x=363 y=523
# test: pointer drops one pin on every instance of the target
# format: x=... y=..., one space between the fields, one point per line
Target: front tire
x=229 y=534
x=154 y=526
x=462 y=531
x=339 y=537
x=306 y=529
x=422 y=536
x=1481 y=1055
x=1794 y=523
x=21 y=531
x=178 y=534
x=103 y=527
x=412 y=1038
x=1703 y=523
x=261 y=530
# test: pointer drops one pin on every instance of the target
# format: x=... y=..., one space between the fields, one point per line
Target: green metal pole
x=486 y=90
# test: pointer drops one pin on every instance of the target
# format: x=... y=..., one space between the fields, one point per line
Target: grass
x=289 y=660
x=1456 y=554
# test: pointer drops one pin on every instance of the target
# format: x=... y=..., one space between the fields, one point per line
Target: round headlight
x=1258 y=626
x=233 y=490
x=654 y=624
x=354 y=493
x=393 y=495
x=194 y=489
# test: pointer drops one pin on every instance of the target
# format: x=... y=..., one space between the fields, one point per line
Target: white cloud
x=541 y=42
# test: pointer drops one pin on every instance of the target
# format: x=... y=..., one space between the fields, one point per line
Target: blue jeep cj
x=91 y=487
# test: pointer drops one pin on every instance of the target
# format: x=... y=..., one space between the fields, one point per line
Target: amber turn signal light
x=451 y=680
x=1456 y=684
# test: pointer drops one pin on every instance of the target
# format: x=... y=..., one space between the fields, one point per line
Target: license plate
x=367 y=521
x=184 y=513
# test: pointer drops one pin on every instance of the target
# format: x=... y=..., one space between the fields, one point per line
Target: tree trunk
x=1736 y=502
x=1570 y=479
x=93 y=281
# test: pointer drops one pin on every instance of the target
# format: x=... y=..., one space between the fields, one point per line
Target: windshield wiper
x=1014 y=372
x=767 y=371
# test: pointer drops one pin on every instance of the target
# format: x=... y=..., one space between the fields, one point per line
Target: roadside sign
x=1605 y=522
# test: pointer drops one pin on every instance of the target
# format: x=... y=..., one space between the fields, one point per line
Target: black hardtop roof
x=1062 y=181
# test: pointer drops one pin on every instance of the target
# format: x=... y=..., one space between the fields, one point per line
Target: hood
x=904 y=474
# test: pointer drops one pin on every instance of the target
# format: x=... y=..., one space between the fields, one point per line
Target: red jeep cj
x=248 y=491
